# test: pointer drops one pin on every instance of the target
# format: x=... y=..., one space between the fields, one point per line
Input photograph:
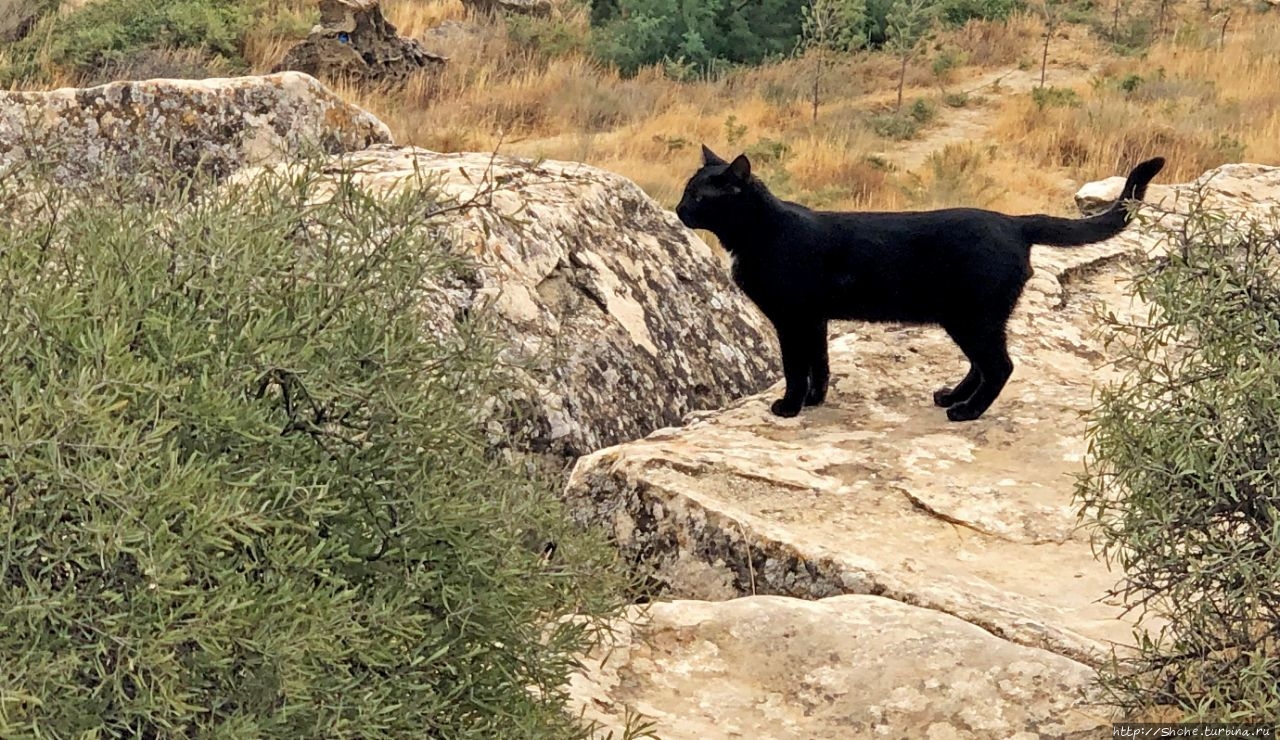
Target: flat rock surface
x=841 y=667
x=876 y=492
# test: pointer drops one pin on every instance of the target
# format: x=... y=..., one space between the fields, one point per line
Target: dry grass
x=1198 y=104
x=648 y=127
x=289 y=21
x=413 y=18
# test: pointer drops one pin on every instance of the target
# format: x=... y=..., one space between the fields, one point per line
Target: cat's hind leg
x=949 y=396
x=819 y=368
x=986 y=349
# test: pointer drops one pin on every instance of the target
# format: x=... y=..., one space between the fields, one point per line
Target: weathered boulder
x=877 y=493
x=354 y=41
x=841 y=667
x=1231 y=187
x=623 y=320
x=535 y=8
x=214 y=126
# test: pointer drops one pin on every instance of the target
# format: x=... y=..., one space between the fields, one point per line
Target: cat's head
x=714 y=196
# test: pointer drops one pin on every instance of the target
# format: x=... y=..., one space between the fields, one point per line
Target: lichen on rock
x=354 y=41
x=212 y=126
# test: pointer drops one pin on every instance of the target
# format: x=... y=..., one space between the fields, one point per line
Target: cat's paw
x=784 y=408
x=815 y=397
x=944 y=397
x=963 y=412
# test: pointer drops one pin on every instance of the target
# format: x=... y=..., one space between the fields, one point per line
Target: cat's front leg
x=795 y=367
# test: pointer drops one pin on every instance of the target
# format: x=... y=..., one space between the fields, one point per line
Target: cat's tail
x=1075 y=232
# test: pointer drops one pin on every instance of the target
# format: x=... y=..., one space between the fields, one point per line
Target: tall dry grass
x=1196 y=97
x=1187 y=99
x=497 y=91
x=1197 y=105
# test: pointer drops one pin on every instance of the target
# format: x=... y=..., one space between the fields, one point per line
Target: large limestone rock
x=877 y=493
x=624 y=320
x=214 y=125
x=842 y=667
x=354 y=41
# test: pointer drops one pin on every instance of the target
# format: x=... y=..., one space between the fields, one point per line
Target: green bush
x=638 y=33
x=247 y=492
x=895 y=126
x=922 y=111
x=1131 y=35
x=111 y=31
x=1181 y=488
x=960 y=12
x=1055 y=97
x=1131 y=83
x=709 y=33
x=768 y=150
x=546 y=37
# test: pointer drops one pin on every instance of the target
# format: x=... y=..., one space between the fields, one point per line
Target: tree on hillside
x=1051 y=13
x=906 y=25
x=831 y=26
x=1162 y=13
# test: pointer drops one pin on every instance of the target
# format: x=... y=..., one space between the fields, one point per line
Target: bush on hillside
x=639 y=33
x=112 y=33
x=1055 y=97
x=960 y=12
x=246 y=494
x=1182 y=481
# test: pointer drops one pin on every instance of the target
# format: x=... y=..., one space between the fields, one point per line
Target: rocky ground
x=980 y=609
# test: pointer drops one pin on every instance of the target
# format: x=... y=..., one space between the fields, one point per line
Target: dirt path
x=973 y=122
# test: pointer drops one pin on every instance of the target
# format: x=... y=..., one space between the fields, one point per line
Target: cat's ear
x=740 y=167
x=710 y=157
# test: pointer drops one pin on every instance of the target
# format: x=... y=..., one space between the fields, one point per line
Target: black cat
x=962 y=268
